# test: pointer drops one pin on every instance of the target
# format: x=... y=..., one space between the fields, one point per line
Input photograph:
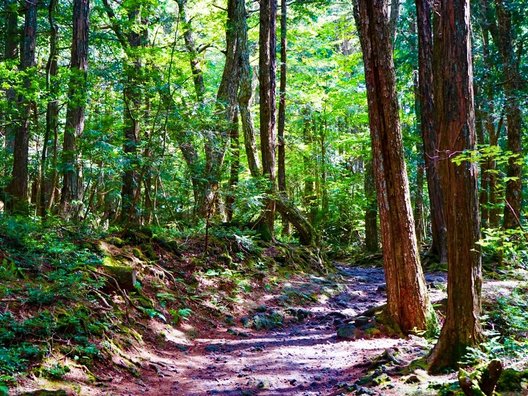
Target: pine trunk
x=17 y=190
x=428 y=130
x=408 y=303
x=267 y=65
x=76 y=106
x=455 y=120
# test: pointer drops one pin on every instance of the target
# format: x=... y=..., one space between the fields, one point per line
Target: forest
x=263 y=197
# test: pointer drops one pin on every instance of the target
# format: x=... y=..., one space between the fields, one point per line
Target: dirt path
x=304 y=358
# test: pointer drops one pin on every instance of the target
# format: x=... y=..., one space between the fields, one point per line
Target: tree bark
x=267 y=66
x=371 y=211
x=235 y=168
x=12 y=43
x=17 y=189
x=76 y=106
x=393 y=21
x=52 y=113
x=244 y=100
x=455 y=121
x=428 y=129
x=512 y=86
x=407 y=300
x=281 y=146
x=192 y=49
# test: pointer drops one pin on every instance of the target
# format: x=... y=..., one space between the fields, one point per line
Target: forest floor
x=301 y=356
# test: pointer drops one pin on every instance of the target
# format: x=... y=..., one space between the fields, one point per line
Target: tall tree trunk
x=512 y=85
x=267 y=66
x=419 y=204
x=245 y=95
x=393 y=21
x=193 y=50
x=455 y=120
x=428 y=129
x=309 y=194
x=52 y=112
x=407 y=299
x=133 y=98
x=12 y=43
x=490 y=167
x=235 y=168
x=281 y=146
x=77 y=102
x=17 y=189
x=226 y=110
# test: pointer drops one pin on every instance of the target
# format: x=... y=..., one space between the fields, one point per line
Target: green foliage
x=180 y=315
x=48 y=270
x=57 y=371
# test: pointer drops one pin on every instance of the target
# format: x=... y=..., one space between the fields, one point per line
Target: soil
x=302 y=356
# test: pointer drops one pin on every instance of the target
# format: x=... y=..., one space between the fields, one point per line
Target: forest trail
x=303 y=358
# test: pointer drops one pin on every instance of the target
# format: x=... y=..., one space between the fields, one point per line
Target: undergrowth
x=60 y=306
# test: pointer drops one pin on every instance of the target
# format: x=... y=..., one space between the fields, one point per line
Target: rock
x=381 y=289
x=412 y=379
x=213 y=348
x=347 y=331
x=361 y=321
x=246 y=322
x=124 y=275
x=237 y=333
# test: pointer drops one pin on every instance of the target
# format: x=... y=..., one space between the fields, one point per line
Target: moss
x=109 y=261
x=390 y=326
x=512 y=380
x=116 y=241
x=138 y=253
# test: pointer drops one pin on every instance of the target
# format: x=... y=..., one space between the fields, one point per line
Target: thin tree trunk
x=235 y=168
x=244 y=104
x=281 y=145
x=407 y=300
x=52 y=111
x=17 y=189
x=419 y=204
x=455 y=120
x=12 y=43
x=77 y=102
x=192 y=49
x=428 y=128
x=512 y=85
x=394 y=15
x=267 y=66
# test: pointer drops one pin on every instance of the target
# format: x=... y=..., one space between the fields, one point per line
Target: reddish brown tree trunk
x=47 y=186
x=17 y=189
x=235 y=168
x=267 y=65
x=512 y=86
x=281 y=165
x=76 y=105
x=426 y=101
x=407 y=299
x=12 y=43
x=371 y=211
x=130 y=190
x=455 y=120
